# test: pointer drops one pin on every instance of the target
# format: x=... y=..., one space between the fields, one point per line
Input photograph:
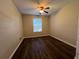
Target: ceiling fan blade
x=45 y=11
x=47 y=8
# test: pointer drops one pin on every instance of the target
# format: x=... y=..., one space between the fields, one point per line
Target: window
x=37 y=25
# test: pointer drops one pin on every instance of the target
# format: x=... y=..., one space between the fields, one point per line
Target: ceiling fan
x=43 y=9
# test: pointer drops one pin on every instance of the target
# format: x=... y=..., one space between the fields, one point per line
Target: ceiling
x=31 y=6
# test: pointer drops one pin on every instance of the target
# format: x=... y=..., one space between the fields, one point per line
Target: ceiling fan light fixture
x=41 y=11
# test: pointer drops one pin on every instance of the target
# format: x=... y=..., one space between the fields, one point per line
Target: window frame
x=40 y=20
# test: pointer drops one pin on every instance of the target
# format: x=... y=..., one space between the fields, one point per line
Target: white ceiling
x=31 y=6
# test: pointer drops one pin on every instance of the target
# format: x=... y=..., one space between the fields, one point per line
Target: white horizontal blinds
x=37 y=25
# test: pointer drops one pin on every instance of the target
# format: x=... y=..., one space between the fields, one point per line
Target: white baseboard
x=35 y=36
x=16 y=48
x=63 y=41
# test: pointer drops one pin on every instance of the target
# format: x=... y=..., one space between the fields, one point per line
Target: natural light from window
x=37 y=25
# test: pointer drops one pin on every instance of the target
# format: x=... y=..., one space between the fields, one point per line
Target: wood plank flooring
x=44 y=48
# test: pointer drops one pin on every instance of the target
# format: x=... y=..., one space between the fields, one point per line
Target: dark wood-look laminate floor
x=44 y=48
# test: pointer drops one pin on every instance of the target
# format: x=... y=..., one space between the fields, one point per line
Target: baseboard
x=35 y=36
x=63 y=41
x=16 y=48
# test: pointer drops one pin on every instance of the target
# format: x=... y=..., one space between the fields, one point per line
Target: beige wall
x=10 y=28
x=28 y=26
x=64 y=24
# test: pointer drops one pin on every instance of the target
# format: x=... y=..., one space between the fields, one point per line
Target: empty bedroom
x=39 y=29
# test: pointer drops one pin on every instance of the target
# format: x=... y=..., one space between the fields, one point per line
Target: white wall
x=63 y=25
x=77 y=47
x=28 y=26
x=10 y=28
